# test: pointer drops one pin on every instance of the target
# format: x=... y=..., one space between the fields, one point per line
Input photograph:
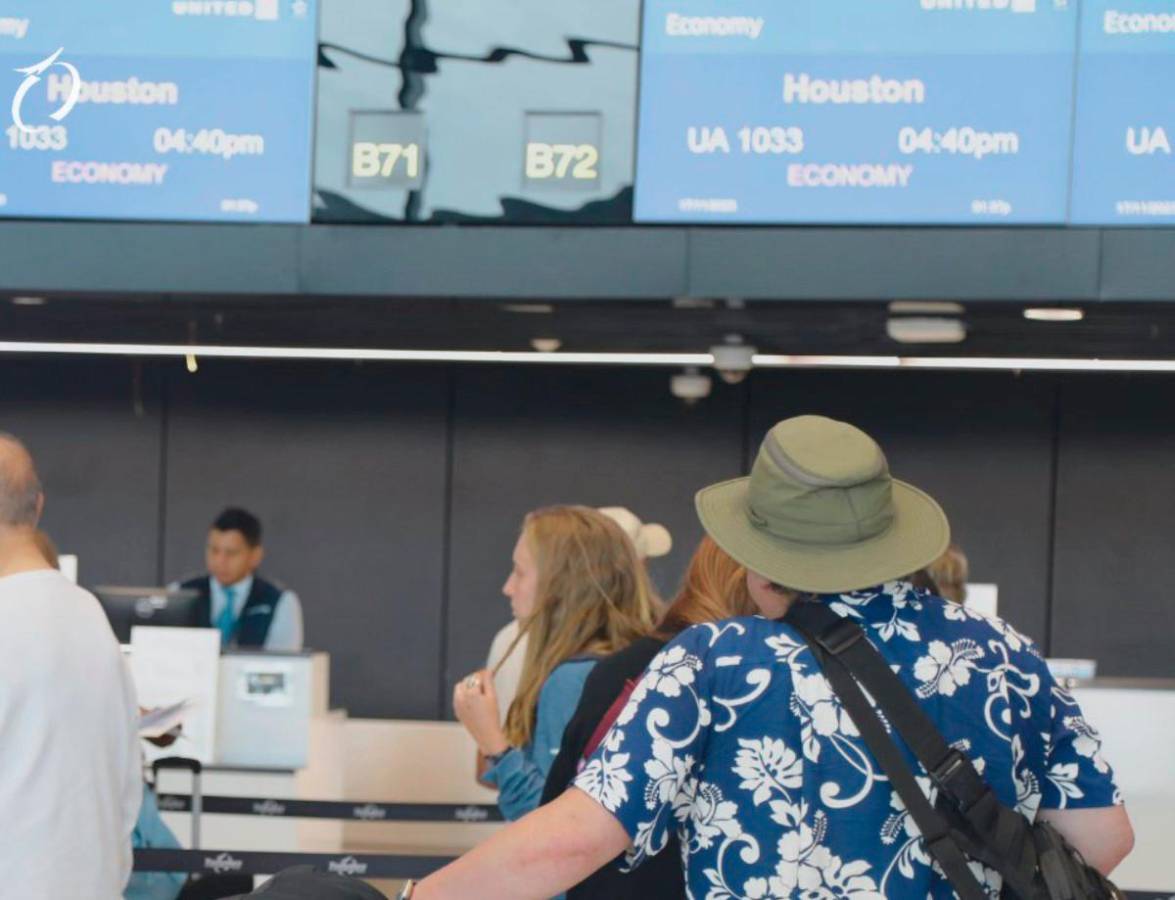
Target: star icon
x=300 y=7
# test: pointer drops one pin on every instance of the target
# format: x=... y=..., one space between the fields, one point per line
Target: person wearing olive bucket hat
x=821 y=513
x=734 y=738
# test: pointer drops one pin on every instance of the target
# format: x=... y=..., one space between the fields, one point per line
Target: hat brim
x=918 y=535
x=655 y=540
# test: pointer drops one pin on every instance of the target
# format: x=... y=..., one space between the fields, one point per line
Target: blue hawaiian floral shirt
x=734 y=738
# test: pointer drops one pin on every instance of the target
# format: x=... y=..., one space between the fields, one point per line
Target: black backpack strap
x=993 y=834
x=830 y=640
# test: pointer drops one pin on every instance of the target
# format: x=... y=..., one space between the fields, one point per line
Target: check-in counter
x=267 y=708
x=1136 y=719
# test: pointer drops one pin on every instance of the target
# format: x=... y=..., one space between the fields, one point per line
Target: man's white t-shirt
x=70 y=765
x=508 y=677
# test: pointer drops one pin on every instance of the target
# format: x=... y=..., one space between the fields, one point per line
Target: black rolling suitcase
x=308 y=883
x=201 y=887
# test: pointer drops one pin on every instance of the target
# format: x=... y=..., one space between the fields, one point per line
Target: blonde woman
x=714 y=588
x=580 y=593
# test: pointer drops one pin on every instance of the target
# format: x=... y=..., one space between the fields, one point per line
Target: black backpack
x=967 y=820
x=308 y=883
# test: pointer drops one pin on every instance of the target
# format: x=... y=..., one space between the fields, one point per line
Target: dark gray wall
x=346 y=467
x=392 y=495
x=524 y=438
x=1116 y=525
x=97 y=434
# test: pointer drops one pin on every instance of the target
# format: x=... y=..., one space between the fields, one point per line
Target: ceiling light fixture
x=355 y=354
x=926 y=308
x=966 y=363
x=1054 y=314
x=28 y=301
x=925 y=330
x=765 y=360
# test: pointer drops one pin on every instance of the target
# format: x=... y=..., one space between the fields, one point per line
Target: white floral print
x=946 y=668
x=666 y=773
x=712 y=817
x=820 y=711
x=1087 y=742
x=607 y=780
x=672 y=670
x=1064 y=777
x=768 y=768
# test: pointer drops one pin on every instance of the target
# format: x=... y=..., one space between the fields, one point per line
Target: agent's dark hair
x=237 y=519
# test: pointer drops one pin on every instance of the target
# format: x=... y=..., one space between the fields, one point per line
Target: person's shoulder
x=609 y=675
x=947 y=618
x=506 y=634
x=949 y=630
x=573 y=670
x=271 y=585
x=87 y=619
x=629 y=661
x=731 y=641
x=576 y=667
x=502 y=641
x=567 y=678
x=742 y=630
x=35 y=586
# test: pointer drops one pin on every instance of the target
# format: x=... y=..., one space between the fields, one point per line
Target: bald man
x=71 y=776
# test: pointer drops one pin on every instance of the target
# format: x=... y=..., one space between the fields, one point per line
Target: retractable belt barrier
x=264 y=862
x=469 y=813
x=356 y=865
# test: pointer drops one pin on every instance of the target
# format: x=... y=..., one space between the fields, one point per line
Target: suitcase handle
x=196 y=768
x=177 y=762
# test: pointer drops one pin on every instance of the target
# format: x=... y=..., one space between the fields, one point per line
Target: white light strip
x=975 y=363
x=762 y=360
x=1054 y=314
x=357 y=353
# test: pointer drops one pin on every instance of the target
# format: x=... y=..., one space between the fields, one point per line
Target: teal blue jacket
x=521 y=773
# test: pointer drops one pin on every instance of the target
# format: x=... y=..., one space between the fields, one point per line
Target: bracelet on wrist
x=494 y=758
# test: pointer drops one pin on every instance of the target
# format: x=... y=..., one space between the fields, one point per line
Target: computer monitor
x=126 y=607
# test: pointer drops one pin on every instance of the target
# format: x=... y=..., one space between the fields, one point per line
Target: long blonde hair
x=592 y=596
x=714 y=588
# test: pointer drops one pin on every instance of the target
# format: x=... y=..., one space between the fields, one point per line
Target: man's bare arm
x=1103 y=836
x=539 y=856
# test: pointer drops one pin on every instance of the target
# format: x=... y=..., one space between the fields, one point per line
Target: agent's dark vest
x=256 y=615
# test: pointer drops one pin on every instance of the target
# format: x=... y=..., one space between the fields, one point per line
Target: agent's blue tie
x=227 y=620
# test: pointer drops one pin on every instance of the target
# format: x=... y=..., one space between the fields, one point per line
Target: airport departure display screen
x=856 y=111
x=1123 y=171
x=157 y=109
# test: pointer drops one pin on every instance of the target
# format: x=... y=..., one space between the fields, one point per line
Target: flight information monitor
x=1123 y=171
x=856 y=111
x=157 y=109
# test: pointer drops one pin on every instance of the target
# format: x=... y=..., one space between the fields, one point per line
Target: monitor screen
x=157 y=109
x=858 y=111
x=1125 y=122
x=126 y=607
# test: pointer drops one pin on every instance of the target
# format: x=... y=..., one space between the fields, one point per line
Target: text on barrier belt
x=335 y=809
x=251 y=862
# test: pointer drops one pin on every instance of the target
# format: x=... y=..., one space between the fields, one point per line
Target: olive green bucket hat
x=821 y=513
